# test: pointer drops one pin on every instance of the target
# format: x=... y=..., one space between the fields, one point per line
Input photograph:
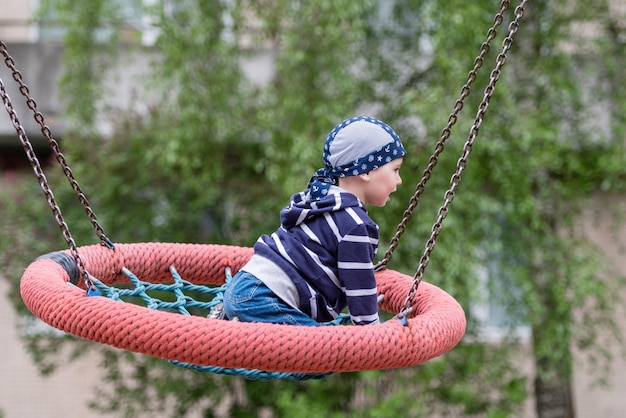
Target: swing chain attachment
x=32 y=158
x=463 y=160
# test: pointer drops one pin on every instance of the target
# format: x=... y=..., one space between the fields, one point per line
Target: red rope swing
x=438 y=326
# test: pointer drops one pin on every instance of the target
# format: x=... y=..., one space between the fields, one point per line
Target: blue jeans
x=250 y=300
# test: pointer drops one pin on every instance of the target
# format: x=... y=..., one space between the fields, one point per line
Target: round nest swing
x=64 y=289
x=438 y=326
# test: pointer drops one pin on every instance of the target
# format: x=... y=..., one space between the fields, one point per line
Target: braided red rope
x=438 y=326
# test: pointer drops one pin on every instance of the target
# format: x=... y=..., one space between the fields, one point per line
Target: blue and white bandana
x=355 y=146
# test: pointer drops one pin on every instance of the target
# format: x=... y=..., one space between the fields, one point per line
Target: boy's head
x=359 y=145
x=355 y=146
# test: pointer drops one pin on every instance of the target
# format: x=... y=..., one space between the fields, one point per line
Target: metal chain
x=445 y=134
x=43 y=181
x=462 y=162
x=54 y=146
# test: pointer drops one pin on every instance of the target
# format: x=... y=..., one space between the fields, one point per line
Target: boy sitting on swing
x=320 y=260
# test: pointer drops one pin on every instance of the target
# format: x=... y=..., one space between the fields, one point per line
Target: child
x=320 y=260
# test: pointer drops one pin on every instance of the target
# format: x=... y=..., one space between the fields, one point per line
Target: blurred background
x=195 y=120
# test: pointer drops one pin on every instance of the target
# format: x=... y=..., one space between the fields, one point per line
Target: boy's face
x=383 y=181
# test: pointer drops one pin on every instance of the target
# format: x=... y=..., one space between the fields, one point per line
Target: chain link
x=32 y=158
x=462 y=162
x=445 y=134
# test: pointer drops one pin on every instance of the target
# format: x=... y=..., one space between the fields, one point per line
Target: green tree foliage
x=202 y=154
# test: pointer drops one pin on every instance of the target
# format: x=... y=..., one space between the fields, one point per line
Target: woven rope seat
x=437 y=326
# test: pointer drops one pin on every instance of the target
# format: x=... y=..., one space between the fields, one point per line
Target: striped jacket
x=320 y=260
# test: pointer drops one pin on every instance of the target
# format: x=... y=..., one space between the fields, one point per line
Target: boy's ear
x=365 y=177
